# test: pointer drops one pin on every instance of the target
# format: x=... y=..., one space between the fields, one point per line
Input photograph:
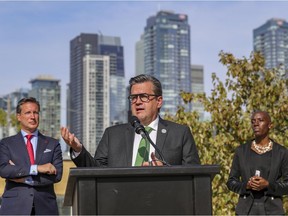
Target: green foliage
x=249 y=86
x=14 y=122
x=3 y=118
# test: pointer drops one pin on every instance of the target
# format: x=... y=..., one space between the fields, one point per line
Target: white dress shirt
x=34 y=140
x=138 y=137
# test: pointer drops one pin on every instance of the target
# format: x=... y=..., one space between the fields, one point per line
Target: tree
x=249 y=86
x=14 y=122
x=3 y=118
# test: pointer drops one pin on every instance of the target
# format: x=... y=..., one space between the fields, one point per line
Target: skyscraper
x=95 y=99
x=96 y=92
x=197 y=86
x=139 y=56
x=9 y=103
x=84 y=44
x=111 y=46
x=271 y=39
x=48 y=92
x=167 y=56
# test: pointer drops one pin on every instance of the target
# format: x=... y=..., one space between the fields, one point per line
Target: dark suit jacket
x=278 y=179
x=18 y=198
x=115 y=149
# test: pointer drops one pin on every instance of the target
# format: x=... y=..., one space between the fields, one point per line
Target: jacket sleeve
x=7 y=170
x=235 y=181
x=84 y=159
x=190 y=152
x=279 y=187
x=111 y=150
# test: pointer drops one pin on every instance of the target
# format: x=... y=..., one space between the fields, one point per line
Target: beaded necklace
x=262 y=149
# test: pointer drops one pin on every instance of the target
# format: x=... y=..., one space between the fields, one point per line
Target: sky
x=35 y=35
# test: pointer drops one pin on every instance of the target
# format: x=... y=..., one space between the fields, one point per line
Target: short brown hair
x=157 y=87
x=26 y=100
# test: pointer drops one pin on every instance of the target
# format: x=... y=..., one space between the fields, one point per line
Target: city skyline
x=35 y=36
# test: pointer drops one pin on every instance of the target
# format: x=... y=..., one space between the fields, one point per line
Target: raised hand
x=70 y=139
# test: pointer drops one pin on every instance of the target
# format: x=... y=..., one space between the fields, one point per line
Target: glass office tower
x=197 y=86
x=96 y=92
x=271 y=39
x=47 y=91
x=167 y=56
x=111 y=46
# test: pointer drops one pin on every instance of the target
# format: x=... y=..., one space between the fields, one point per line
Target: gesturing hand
x=71 y=140
x=154 y=162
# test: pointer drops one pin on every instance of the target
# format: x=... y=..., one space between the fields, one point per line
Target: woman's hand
x=257 y=183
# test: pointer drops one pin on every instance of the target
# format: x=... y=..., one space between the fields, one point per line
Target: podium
x=175 y=190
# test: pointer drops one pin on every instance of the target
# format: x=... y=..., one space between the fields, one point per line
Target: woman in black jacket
x=259 y=172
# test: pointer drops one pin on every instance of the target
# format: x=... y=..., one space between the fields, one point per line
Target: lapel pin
x=163 y=131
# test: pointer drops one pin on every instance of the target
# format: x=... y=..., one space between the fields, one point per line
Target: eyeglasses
x=143 y=97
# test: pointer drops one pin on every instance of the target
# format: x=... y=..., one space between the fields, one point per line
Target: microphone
x=139 y=129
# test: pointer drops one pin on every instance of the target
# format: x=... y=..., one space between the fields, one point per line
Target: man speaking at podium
x=122 y=146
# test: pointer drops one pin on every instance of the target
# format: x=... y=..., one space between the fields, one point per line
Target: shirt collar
x=154 y=124
x=35 y=133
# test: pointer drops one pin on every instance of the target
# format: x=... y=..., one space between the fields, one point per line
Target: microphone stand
x=146 y=134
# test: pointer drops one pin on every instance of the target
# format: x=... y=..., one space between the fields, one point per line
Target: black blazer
x=115 y=149
x=278 y=179
x=18 y=198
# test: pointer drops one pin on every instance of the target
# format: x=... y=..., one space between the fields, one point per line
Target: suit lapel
x=161 y=134
x=41 y=146
x=273 y=165
x=247 y=160
x=129 y=139
x=22 y=147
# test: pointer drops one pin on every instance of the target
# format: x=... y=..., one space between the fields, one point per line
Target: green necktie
x=143 y=150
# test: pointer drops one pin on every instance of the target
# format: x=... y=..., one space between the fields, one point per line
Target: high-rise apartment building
x=84 y=44
x=96 y=92
x=197 y=86
x=271 y=39
x=9 y=103
x=95 y=99
x=48 y=92
x=111 y=46
x=139 y=56
x=167 y=56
